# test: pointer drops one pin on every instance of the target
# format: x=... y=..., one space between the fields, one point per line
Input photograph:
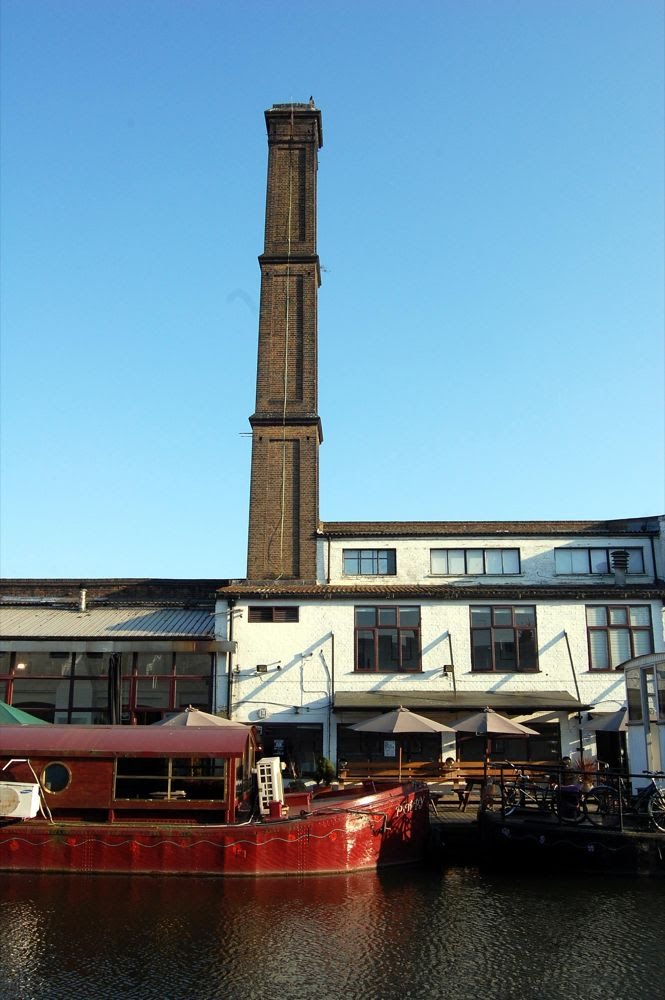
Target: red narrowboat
x=190 y=800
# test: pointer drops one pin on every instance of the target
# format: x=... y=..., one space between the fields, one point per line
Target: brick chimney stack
x=286 y=429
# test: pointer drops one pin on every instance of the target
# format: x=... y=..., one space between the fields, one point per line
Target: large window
x=76 y=687
x=369 y=562
x=504 y=639
x=580 y=561
x=616 y=633
x=388 y=639
x=474 y=562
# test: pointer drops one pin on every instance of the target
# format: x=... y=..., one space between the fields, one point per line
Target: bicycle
x=610 y=803
x=525 y=793
x=570 y=802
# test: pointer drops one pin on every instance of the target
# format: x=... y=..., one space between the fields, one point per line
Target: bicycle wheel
x=601 y=805
x=656 y=809
x=512 y=795
x=567 y=804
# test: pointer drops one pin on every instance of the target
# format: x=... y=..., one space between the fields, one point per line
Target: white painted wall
x=536 y=556
x=306 y=659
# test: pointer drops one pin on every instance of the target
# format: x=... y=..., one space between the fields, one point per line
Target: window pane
x=599 y=561
x=388 y=650
x=525 y=616
x=635 y=561
x=368 y=561
x=90 y=693
x=193 y=663
x=493 y=561
x=474 y=561
x=365 y=657
x=660 y=685
x=596 y=616
x=365 y=616
x=503 y=616
x=193 y=691
x=563 y=561
x=619 y=646
x=481 y=616
x=642 y=642
x=41 y=693
x=152 y=692
x=634 y=695
x=481 y=652
x=618 y=616
x=387 y=616
x=154 y=663
x=350 y=558
x=409 y=616
x=456 y=561
x=579 y=560
x=91 y=665
x=409 y=648
x=439 y=561
x=511 y=561
x=600 y=659
x=504 y=649
x=528 y=655
x=48 y=664
x=640 y=615
x=387 y=561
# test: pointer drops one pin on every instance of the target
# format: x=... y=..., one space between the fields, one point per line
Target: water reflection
x=446 y=934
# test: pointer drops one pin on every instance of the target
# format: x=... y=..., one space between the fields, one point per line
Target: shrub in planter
x=325 y=771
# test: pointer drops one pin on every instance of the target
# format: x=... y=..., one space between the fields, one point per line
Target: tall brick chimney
x=286 y=429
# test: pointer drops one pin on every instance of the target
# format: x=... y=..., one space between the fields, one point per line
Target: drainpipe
x=231 y=602
x=332 y=691
x=577 y=692
x=452 y=664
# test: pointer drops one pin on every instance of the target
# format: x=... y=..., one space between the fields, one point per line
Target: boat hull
x=345 y=834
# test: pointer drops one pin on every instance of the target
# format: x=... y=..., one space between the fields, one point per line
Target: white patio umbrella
x=195 y=717
x=608 y=722
x=400 y=720
x=489 y=724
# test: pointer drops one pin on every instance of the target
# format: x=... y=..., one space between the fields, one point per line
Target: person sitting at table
x=451 y=773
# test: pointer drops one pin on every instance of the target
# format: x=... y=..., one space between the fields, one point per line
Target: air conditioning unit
x=19 y=800
x=271 y=786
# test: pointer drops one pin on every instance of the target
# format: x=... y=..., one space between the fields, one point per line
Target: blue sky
x=490 y=227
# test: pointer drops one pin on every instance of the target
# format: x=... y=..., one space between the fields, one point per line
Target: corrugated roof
x=413 y=529
x=136 y=622
x=518 y=702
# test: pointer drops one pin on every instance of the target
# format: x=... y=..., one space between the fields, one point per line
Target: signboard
x=389 y=748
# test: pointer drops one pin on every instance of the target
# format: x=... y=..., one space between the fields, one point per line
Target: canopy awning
x=95 y=742
x=447 y=701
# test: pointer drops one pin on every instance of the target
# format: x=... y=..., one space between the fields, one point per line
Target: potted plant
x=325 y=771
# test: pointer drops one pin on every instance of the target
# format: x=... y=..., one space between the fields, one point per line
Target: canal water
x=447 y=933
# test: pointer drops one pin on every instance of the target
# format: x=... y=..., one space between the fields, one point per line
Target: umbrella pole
x=400 y=762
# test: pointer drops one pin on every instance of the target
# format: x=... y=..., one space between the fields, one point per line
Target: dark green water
x=452 y=933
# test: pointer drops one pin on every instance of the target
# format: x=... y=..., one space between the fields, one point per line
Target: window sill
x=390 y=673
x=518 y=673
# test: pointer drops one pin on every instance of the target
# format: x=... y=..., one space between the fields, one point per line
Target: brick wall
x=283 y=511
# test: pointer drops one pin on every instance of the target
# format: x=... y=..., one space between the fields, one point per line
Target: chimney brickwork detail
x=286 y=429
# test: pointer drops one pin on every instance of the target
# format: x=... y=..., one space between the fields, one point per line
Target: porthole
x=56 y=777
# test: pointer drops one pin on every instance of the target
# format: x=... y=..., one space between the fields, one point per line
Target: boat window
x=197 y=778
x=56 y=777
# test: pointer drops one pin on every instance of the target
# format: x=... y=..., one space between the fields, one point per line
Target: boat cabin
x=109 y=773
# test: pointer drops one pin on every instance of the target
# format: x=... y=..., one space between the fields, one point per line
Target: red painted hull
x=347 y=833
